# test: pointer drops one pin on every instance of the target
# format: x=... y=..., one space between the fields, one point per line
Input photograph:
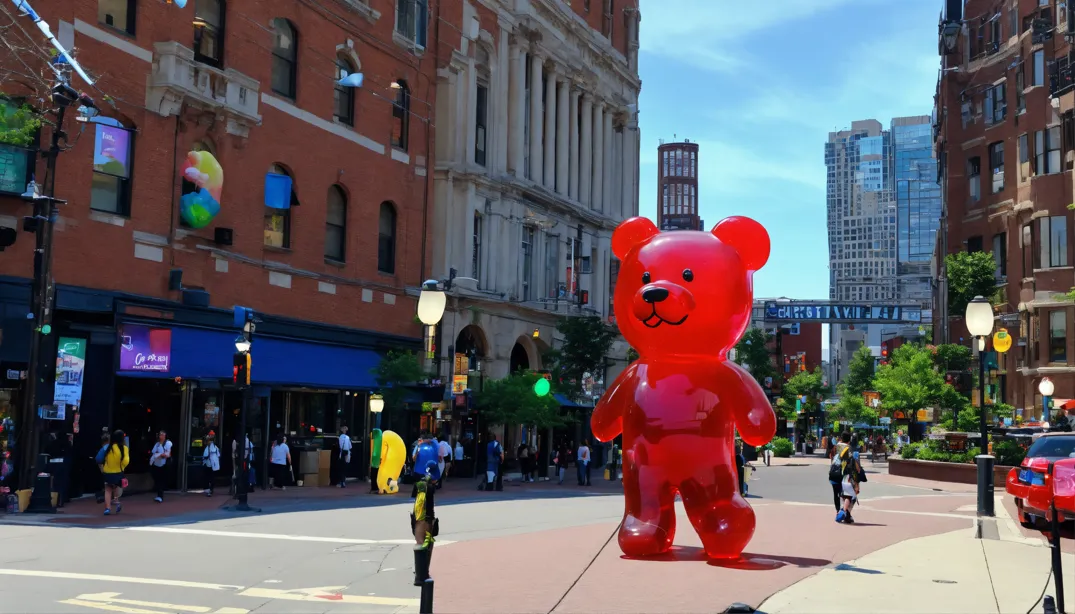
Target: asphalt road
x=359 y=559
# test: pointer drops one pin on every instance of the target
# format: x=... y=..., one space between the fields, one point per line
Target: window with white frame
x=412 y=17
x=1047 y=151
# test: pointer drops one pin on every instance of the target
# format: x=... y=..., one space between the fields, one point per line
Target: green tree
x=805 y=383
x=512 y=400
x=852 y=408
x=394 y=373
x=587 y=341
x=970 y=274
x=752 y=352
x=952 y=357
x=909 y=382
x=860 y=371
x=632 y=355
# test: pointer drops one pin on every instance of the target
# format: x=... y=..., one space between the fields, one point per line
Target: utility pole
x=41 y=223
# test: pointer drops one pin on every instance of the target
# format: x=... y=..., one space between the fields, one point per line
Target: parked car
x=1029 y=483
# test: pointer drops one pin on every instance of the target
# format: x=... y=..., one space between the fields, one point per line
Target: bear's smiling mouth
x=659 y=320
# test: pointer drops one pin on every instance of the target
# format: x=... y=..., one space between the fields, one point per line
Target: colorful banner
x=143 y=348
x=111 y=151
x=70 y=367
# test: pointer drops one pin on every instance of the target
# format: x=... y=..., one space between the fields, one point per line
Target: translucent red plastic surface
x=683 y=299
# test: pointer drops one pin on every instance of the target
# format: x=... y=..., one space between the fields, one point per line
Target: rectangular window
x=1039 y=68
x=111 y=186
x=1000 y=253
x=552 y=266
x=476 y=249
x=1020 y=84
x=526 y=118
x=996 y=165
x=411 y=19
x=1013 y=20
x=528 y=261
x=974 y=244
x=994 y=34
x=1058 y=336
x=974 y=171
x=1024 y=157
x=996 y=106
x=613 y=273
x=1047 y=151
x=117 y=14
x=1052 y=242
x=481 y=112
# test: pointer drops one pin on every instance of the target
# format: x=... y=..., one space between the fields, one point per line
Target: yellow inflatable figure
x=393 y=456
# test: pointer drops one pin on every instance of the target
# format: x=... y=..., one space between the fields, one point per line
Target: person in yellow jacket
x=113 y=459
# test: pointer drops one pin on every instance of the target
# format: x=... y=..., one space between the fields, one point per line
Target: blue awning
x=566 y=402
x=207 y=354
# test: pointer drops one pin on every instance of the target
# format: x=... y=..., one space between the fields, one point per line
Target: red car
x=1030 y=483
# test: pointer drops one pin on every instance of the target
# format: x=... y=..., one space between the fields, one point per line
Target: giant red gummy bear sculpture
x=683 y=299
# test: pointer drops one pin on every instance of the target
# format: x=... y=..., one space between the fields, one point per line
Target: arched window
x=209 y=32
x=401 y=115
x=336 y=224
x=113 y=152
x=186 y=187
x=344 y=96
x=386 y=239
x=277 y=219
x=284 y=54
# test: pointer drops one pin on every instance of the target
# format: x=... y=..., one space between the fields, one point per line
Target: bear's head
x=686 y=293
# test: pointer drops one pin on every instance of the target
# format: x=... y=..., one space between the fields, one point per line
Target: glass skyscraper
x=918 y=208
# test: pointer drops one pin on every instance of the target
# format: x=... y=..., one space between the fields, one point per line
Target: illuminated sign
x=836 y=312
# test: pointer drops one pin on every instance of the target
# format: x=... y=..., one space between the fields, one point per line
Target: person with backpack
x=158 y=463
x=841 y=454
x=211 y=461
x=853 y=475
x=113 y=460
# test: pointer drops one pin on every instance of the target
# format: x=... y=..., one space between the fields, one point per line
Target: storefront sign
x=70 y=367
x=144 y=349
x=459 y=384
x=111 y=150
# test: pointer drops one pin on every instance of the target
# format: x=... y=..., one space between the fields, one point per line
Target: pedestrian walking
x=345 y=457
x=444 y=450
x=494 y=459
x=740 y=467
x=853 y=476
x=158 y=462
x=767 y=453
x=582 y=465
x=561 y=461
x=237 y=464
x=841 y=454
x=211 y=462
x=113 y=460
x=279 y=462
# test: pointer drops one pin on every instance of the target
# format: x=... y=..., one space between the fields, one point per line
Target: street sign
x=823 y=311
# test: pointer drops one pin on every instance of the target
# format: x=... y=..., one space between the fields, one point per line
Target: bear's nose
x=654 y=295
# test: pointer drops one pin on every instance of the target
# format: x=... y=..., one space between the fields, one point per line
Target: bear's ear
x=748 y=237
x=630 y=233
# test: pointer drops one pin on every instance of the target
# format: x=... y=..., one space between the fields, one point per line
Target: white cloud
x=708 y=33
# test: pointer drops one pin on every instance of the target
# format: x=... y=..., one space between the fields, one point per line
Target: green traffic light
x=541 y=387
x=46 y=329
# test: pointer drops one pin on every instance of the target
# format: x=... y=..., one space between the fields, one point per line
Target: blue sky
x=759 y=85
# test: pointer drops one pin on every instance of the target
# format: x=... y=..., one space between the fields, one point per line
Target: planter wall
x=959 y=473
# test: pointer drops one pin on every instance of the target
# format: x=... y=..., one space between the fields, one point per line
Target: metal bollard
x=985 y=485
x=426 y=604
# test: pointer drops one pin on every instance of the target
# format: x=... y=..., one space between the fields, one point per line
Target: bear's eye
x=645 y=277
x=688 y=275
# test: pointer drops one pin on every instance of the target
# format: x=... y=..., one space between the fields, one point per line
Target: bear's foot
x=641 y=538
x=725 y=527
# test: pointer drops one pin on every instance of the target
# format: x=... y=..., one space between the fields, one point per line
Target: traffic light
x=584 y=297
x=240 y=372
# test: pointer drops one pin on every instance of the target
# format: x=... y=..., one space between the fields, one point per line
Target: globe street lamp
x=431 y=303
x=376 y=407
x=1046 y=388
x=242 y=344
x=979 y=319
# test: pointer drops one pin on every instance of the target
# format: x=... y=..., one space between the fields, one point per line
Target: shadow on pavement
x=867 y=524
x=863 y=570
x=768 y=562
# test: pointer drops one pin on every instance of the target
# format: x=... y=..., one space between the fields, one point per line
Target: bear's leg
x=649 y=519
x=722 y=518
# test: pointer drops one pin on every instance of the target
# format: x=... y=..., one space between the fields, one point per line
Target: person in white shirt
x=582 y=463
x=345 y=456
x=444 y=450
x=158 y=460
x=211 y=460
x=236 y=463
x=279 y=462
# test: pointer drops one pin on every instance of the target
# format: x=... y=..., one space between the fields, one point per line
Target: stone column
x=536 y=116
x=599 y=157
x=562 y=118
x=586 y=151
x=516 y=109
x=573 y=148
x=627 y=192
x=550 y=131
x=610 y=163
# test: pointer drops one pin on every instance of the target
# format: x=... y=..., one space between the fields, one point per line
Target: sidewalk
x=948 y=573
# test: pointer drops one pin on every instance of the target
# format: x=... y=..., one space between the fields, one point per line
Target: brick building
x=1003 y=132
x=677 y=186
x=330 y=263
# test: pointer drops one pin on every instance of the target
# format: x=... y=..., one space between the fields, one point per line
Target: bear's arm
x=754 y=416
x=607 y=420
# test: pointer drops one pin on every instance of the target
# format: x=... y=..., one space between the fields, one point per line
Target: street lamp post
x=1046 y=388
x=979 y=319
x=244 y=319
x=376 y=407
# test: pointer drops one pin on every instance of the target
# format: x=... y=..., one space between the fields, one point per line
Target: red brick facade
x=1006 y=83
x=98 y=251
